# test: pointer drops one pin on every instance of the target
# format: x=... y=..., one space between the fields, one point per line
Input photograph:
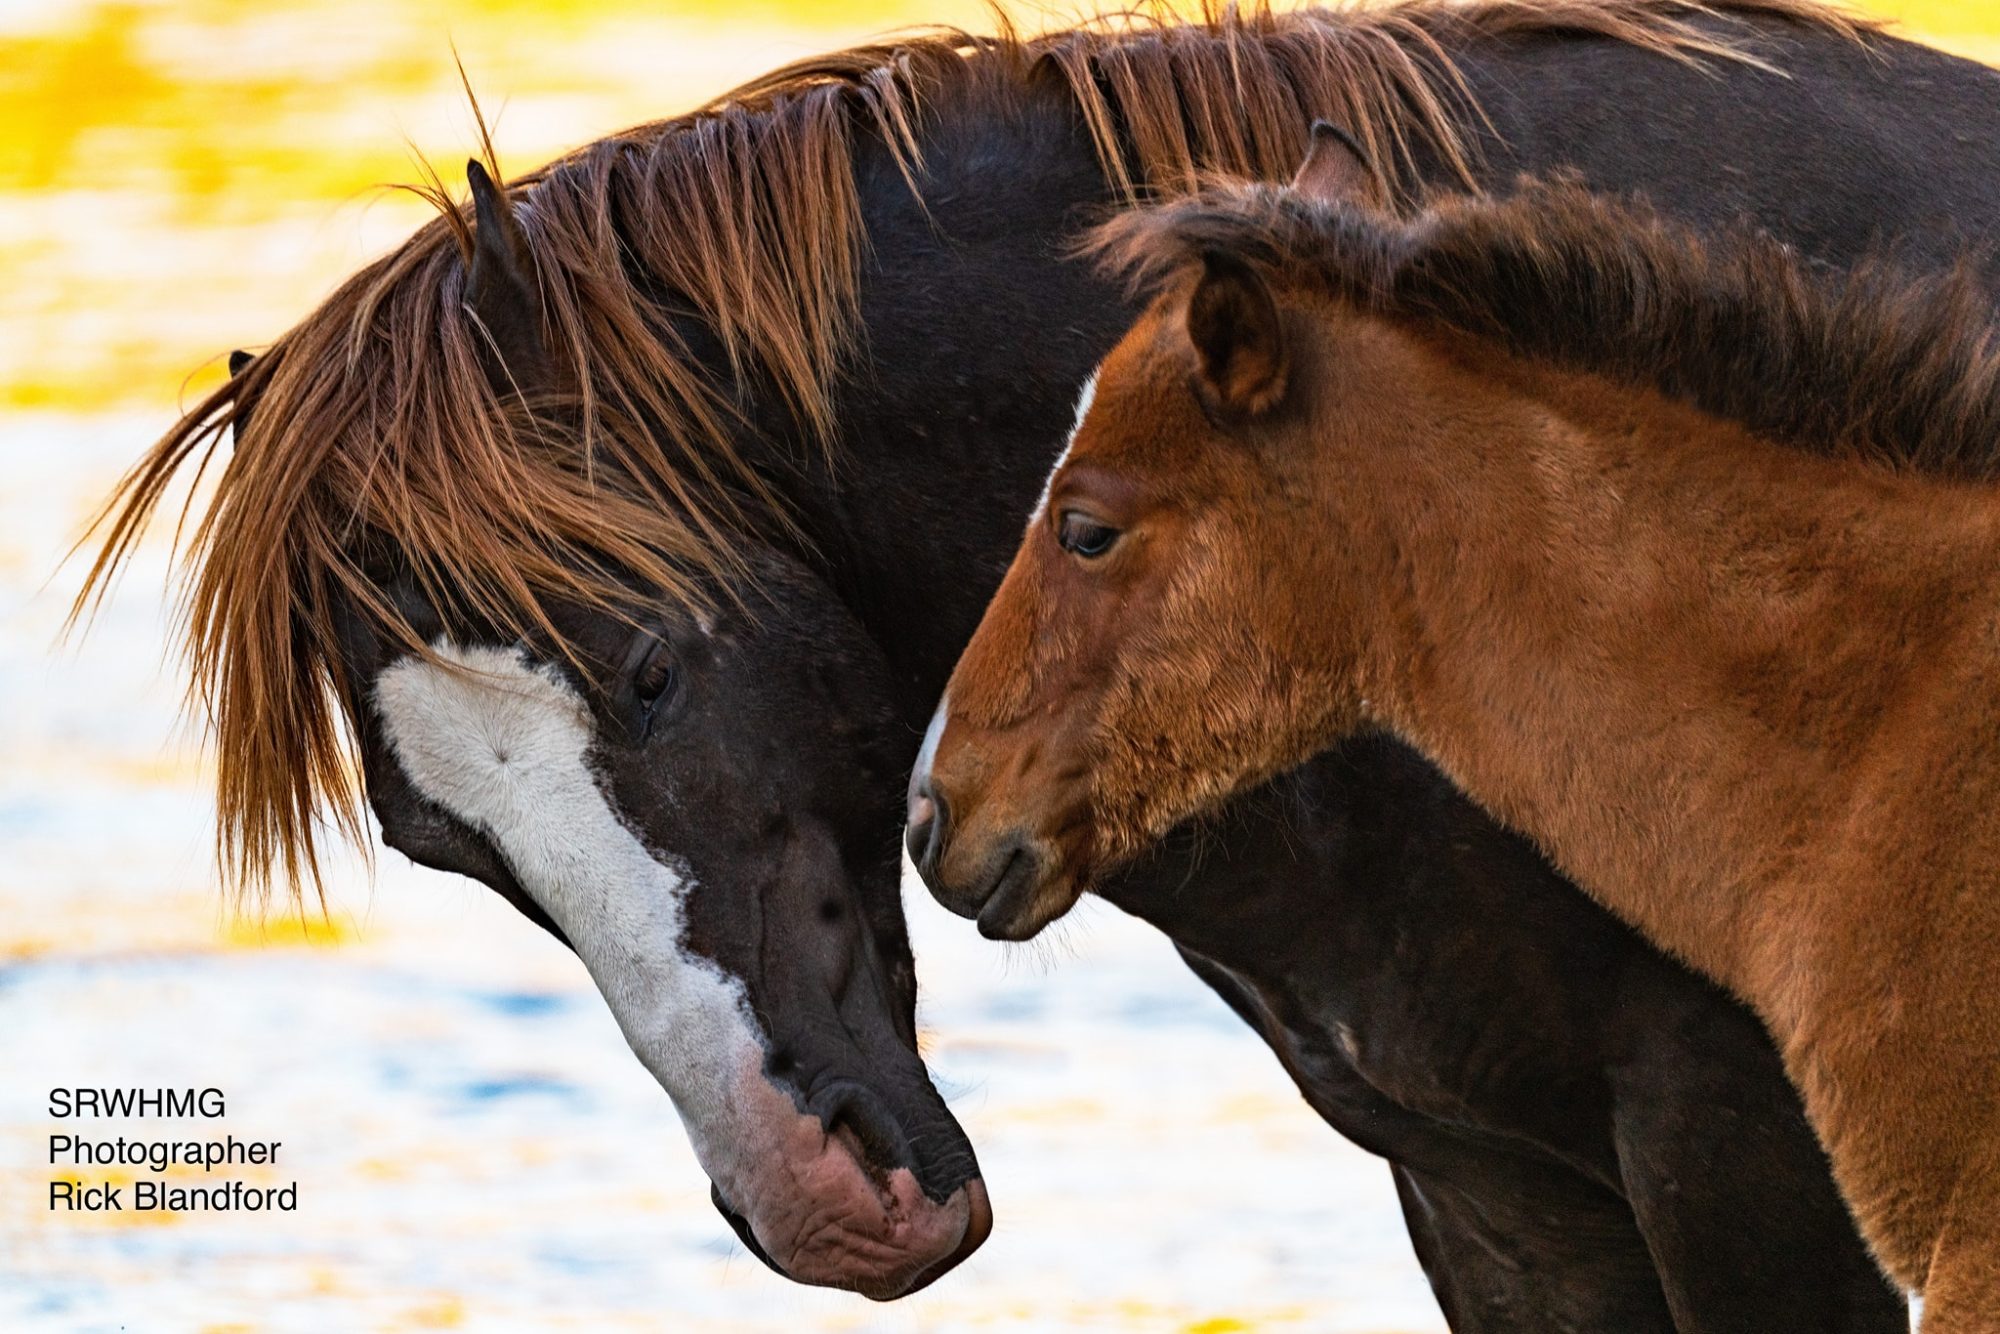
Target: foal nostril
x=922 y=805
x=928 y=817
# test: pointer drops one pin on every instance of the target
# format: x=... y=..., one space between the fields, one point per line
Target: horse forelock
x=376 y=418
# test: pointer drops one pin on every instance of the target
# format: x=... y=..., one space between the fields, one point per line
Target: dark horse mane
x=379 y=427
x=1874 y=363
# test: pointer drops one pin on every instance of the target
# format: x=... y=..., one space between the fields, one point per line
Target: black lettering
x=91 y=1199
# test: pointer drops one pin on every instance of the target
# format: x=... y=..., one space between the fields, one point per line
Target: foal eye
x=1083 y=536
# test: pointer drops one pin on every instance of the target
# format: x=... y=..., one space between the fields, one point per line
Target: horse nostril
x=864 y=1115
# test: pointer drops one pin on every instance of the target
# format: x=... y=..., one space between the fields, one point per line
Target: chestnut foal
x=1680 y=560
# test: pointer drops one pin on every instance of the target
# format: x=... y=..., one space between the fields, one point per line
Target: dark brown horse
x=1678 y=558
x=581 y=434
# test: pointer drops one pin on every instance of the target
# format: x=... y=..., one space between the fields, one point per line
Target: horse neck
x=978 y=340
x=1657 y=645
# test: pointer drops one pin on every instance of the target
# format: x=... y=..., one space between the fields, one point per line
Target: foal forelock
x=376 y=420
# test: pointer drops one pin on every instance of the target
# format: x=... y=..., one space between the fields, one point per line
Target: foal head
x=1142 y=658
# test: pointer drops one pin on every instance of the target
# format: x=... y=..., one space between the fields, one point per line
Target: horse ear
x=1239 y=341
x=1336 y=171
x=501 y=290
x=239 y=361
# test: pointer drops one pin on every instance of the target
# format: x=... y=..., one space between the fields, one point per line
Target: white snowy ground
x=474 y=1145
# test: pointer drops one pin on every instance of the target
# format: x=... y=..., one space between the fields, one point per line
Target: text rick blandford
x=180 y=1153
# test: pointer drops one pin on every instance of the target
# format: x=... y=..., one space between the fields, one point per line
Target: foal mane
x=378 y=428
x=1878 y=363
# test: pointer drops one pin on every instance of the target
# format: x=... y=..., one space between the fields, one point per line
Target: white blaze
x=932 y=735
x=504 y=745
x=1084 y=399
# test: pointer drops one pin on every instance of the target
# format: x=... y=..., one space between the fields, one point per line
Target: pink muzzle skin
x=824 y=1215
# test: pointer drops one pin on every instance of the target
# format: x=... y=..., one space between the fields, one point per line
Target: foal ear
x=501 y=289
x=1336 y=171
x=239 y=361
x=1239 y=341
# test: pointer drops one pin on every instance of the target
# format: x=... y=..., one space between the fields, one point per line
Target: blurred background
x=475 y=1146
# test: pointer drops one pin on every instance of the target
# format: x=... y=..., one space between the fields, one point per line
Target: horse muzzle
x=830 y=1194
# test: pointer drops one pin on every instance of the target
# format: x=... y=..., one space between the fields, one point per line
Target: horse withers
x=1676 y=554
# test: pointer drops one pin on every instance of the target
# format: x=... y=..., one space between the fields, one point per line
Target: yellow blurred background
x=178 y=178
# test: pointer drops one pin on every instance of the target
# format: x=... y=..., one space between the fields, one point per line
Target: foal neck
x=1667 y=650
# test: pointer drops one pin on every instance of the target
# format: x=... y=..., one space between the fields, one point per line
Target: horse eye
x=655 y=678
x=1084 y=536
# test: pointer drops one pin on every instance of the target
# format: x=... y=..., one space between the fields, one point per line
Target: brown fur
x=377 y=427
x=1519 y=497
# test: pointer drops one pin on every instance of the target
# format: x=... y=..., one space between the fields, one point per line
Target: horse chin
x=815 y=1208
